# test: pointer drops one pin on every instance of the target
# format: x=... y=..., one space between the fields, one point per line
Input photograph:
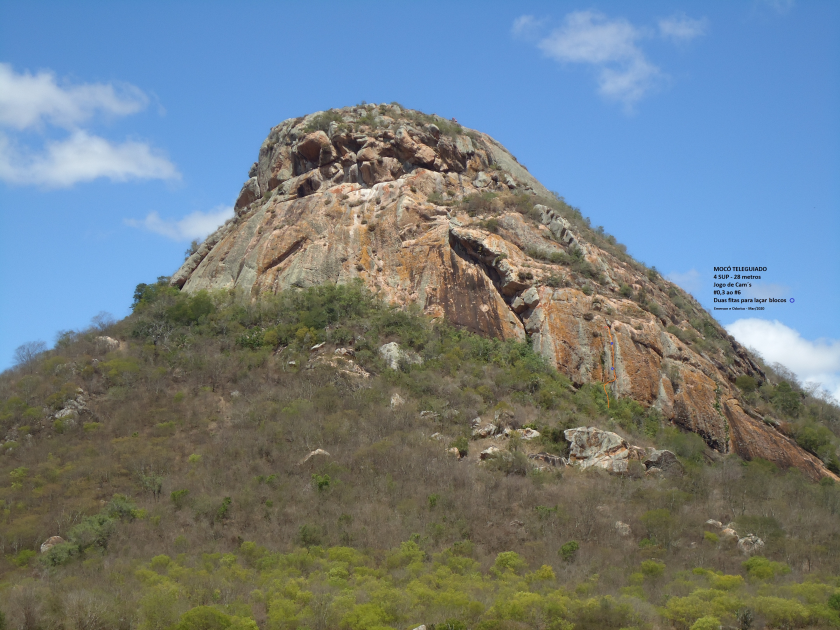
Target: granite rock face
x=426 y=212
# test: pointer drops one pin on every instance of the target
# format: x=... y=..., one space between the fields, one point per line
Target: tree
x=102 y=321
x=26 y=354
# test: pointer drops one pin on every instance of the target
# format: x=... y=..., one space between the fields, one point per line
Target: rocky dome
x=424 y=211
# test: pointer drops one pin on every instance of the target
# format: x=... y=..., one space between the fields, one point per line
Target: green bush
x=321 y=122
x=760 y=568
x=569 y=551
x=179 y=498
x=660 y=525
x=509 y=561
x=706 y=623
x=746 y=384
x=652 y=569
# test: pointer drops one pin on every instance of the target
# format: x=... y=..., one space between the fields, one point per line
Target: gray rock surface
x=394 y=356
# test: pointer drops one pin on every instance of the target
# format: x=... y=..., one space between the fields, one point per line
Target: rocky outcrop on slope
x=426 y=212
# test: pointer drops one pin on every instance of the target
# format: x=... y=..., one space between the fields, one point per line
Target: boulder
x=488 y=430
x=72 y=409
x=490 y=451
x=311 y=144
x=622 y=529
x=529 y=299
x=383 y=169
x=548 y=458
x=453 y=451
x=394 y=356
x=591 y=447
x=396 y=400
x=318 y=452
x=528 y=434
x=713 y=523
x=414 y=152
x=665 y=461
x=729 y=533
x=51 y=542
x=107 y=343
x=482 y=180
x=750 y=545
x=249 y=193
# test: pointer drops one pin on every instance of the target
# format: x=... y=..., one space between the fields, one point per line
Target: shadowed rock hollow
x=427 y=212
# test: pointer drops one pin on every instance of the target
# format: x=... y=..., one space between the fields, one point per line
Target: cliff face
x=424 y=211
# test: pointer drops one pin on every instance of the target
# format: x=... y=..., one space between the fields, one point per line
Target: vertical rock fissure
x=466 y=253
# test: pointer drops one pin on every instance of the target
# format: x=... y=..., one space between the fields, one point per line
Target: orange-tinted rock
x=752 y=439
x=381 y=205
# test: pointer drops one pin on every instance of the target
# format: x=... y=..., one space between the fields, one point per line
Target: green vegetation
x=187 y=506
x=321 y=122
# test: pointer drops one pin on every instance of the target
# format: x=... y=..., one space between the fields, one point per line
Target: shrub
x=569 y=551
x=706 y=623
x=653 y=569
x=309 y=535
x=322 y=482
x=760 y=568
x=462 y=444
x=321 y=122
x=746 y=384
x=491 y=225
x=660 y=525
x=509 y=561
x=179 y=498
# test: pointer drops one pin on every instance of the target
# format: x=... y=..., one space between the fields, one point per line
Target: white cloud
x=526 y=26
x=193 y=226
x=611 y=46
x=682 y=28
x=812 y=361
x=689 y=281
x=589 y=37
x=28 y=100
x=81 y=158
x=33 y=102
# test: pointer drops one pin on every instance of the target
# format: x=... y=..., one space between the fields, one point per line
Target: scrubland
x=179 y=488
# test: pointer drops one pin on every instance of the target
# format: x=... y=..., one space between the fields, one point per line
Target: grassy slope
x=200 y=422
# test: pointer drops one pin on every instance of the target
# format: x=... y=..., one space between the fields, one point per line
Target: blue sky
x=699 y=134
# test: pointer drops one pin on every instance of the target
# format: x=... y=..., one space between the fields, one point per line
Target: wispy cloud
x=681 y=28
x=28 y=100
x=611 y=47
x=779 y=6
x=689 y=281
x=81 y=158
x=193 y=226
x=35 y=102
x=526 y=26
x=814 y=362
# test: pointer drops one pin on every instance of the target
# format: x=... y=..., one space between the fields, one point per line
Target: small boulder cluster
x=747 y=545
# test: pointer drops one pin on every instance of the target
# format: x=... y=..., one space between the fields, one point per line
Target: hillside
x=426 y=212
x=333 y=425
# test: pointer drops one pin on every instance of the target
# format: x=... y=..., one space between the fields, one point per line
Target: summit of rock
x=424 y=211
